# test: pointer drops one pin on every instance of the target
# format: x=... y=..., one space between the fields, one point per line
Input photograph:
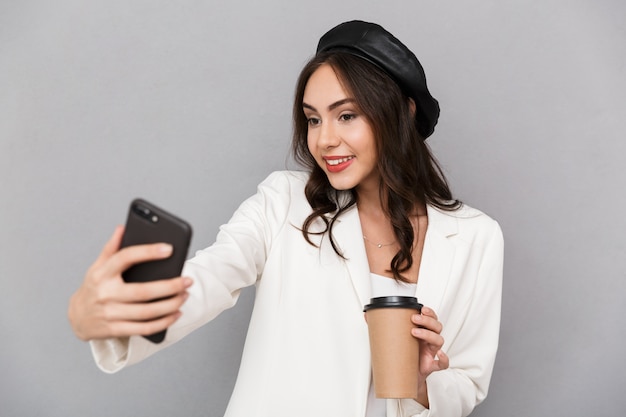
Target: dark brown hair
x=409 y=173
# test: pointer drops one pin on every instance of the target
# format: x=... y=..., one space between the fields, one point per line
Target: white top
x=382 y=287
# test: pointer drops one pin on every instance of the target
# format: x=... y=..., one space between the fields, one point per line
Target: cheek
x=364 y=139
x=311 y=142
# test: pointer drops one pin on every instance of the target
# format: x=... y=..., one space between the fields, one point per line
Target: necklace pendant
x=378 y=245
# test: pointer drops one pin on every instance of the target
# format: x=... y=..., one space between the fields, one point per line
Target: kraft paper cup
x=395 y=352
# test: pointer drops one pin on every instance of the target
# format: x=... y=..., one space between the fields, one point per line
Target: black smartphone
x=147 y=223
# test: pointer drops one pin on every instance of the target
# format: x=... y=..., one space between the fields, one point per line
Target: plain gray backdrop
x=187 y=103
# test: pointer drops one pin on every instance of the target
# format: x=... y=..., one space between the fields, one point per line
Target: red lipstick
x=338 y=163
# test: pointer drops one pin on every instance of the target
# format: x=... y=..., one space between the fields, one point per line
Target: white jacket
x=307 y=350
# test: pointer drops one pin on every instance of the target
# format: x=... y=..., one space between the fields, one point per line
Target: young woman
x=372 y=215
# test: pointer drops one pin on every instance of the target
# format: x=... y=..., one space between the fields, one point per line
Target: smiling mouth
x=335 y=165
x=334 y=162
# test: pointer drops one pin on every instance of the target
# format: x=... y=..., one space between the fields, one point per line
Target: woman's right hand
x=105 y=306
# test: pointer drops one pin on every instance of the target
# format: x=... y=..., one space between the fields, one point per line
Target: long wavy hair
x=410 y=175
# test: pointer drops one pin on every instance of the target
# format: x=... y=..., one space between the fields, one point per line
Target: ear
x=412 y=106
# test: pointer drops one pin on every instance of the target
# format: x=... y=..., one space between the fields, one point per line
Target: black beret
x=374 y=44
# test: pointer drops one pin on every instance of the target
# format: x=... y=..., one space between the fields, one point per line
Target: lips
x=338 y=163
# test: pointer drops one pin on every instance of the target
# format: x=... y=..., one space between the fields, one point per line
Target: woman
x=371 y=216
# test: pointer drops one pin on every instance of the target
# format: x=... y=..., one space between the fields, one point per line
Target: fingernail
x=165 y=249
x=187 y=282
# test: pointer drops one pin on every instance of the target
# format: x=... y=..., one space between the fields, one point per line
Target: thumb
x=443 y=360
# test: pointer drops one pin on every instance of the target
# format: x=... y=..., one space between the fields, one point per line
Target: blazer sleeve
x=236 y=260
x=457 y=390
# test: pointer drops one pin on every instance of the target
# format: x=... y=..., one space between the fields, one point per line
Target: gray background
x=187 y=103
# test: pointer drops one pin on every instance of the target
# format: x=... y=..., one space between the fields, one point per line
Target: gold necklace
x=378 y=245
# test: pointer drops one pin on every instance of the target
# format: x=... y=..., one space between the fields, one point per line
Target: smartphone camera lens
x=145 y=213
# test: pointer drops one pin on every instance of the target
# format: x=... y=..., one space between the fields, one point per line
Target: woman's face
x=339 y=136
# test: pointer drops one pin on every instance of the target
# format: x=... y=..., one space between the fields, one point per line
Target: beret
x=374 y=44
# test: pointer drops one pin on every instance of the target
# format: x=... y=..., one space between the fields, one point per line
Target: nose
x=328 y=136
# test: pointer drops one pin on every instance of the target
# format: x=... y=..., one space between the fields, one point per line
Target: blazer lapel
x=349 y=236
x=437 y=258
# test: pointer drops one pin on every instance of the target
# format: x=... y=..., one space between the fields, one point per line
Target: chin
x=341 y=185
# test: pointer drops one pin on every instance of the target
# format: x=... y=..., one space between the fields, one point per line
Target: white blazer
x=307 y=350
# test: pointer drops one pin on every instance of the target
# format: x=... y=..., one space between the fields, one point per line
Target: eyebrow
x=331 y=107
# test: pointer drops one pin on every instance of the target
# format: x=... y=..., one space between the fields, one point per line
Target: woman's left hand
x=432 y=358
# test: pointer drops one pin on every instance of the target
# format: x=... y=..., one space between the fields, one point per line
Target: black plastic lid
x=393 y=301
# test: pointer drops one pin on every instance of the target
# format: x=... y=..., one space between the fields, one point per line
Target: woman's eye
x=313 y=121
x=346 y=117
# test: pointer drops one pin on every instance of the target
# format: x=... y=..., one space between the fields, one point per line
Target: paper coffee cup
x=395 y=352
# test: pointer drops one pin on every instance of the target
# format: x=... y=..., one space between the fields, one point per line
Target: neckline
x=378 y=276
